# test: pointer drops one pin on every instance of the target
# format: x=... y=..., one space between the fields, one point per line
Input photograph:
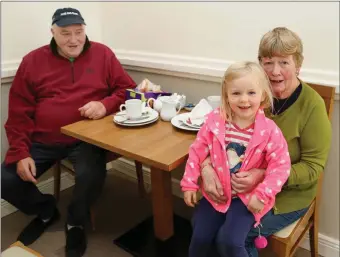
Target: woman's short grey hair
x=281 y=42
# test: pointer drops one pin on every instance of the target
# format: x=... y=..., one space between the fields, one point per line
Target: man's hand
x=93 y=110
x=246 y=181
x=190 y=198
x=255 y=205
x=26 y=170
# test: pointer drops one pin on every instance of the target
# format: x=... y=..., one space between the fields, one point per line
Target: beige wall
x=4 y=112
x=329 y=223
x=26 y=25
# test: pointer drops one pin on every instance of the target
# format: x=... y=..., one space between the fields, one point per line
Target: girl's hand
x=190 y=198
x=255 y=205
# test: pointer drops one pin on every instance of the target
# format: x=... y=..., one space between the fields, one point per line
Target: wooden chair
x=110 y=157
x=285 y=242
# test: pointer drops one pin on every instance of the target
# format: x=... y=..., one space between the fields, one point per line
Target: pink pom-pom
x=260 y=242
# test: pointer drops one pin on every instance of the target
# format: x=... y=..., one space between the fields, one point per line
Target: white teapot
x=167 y=106
x=157 y=103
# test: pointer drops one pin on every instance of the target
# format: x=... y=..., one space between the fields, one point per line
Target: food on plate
x=147 y=86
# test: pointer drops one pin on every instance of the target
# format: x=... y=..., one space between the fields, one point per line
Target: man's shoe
x=36 y=227
x=75 y=242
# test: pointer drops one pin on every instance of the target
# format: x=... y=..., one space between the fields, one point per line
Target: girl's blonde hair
x=281 y=42
x=239 y=70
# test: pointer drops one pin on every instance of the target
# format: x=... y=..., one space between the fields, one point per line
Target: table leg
x=162 y=203
x=163 y=234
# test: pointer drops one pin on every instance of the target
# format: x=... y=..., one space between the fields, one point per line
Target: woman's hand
x=255 y=205
x=246 y=181
x=190 y=198
x=212 y=185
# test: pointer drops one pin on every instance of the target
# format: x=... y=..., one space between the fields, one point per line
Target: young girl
x=237 y=137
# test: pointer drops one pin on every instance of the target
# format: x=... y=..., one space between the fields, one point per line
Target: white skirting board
x=328 y=247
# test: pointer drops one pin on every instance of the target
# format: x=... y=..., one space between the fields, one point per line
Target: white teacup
x=214 y=101
x=134 y=108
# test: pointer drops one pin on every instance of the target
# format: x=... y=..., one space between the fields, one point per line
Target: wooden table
x=19 y=249
x=159 y=145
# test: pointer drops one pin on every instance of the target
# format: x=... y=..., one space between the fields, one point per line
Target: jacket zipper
x=227 y=166
x=72 y=69
x=72 y=73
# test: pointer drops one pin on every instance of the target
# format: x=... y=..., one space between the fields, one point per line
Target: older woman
x=300 y=113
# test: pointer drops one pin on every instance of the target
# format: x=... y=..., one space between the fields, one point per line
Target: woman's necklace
x=274 y=113
x=283 y=105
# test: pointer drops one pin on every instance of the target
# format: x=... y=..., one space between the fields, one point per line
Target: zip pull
x=260 y=225
x=260 y=241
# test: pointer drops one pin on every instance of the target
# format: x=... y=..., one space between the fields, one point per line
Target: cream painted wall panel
x=197 y=89
x=26 y=25
x=193 y=89
x=4 y=114
x=329 y=218
x=228 y=31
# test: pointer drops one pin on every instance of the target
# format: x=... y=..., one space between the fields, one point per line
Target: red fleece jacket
x=48 y=90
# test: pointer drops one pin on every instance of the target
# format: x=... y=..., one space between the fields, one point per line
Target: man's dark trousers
x=89 y=163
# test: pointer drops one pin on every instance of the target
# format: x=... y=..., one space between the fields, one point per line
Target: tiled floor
x=119 y=209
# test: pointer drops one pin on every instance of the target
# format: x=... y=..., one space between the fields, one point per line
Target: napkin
x=199 y=111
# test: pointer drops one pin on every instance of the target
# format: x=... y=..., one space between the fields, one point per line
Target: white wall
x=226 y=32
x=193 y=37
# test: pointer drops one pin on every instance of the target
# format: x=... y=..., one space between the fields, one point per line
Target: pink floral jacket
x=267 y=149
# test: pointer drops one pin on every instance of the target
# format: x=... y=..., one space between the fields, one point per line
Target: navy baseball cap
x=67 y=16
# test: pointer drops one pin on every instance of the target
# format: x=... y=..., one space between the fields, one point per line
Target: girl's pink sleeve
x=278 y=169
x=198 y=151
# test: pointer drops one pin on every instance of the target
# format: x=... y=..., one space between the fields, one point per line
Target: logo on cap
x=68 y=13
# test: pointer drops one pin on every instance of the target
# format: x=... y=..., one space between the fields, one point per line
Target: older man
x=68 y=80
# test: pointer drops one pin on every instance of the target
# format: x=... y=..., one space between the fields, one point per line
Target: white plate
x=120 y=119
x=178 y=122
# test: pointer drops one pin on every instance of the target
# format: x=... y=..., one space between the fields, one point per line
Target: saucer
x=150 y=117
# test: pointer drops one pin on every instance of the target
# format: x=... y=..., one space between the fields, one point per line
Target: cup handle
x=179 y=107
x=121 y=107
x=148 y=102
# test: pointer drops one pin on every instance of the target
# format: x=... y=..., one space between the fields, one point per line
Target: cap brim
x=69 y=21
